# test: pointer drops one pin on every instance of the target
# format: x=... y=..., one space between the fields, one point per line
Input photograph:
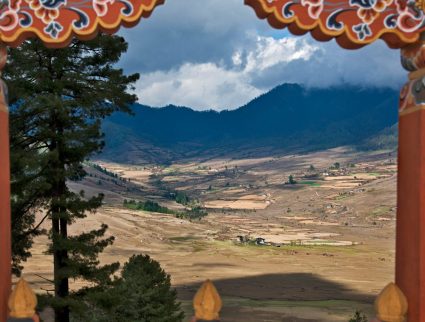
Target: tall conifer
x=58 y=98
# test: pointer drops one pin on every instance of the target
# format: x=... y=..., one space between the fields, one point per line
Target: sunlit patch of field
x=247 y=202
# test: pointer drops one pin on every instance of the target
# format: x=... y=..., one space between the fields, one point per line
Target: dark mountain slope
x=287 y=118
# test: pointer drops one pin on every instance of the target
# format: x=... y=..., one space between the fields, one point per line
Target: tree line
x=152 y=206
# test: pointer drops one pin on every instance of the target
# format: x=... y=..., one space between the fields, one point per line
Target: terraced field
x=315 y=249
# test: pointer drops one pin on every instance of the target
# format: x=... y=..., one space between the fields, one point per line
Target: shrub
x=182 y=198
x=291 y=180
x=142 y=294
x=358 y=317
x=196 y=213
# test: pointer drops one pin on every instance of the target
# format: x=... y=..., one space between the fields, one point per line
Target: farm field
x=287 y=238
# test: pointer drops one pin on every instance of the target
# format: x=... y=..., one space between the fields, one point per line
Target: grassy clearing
x=320 y=248
x=198 y=247
x=381 y=211
x=301 y=248
x=342 y=308
x=310 y=183
x=374 y=174
x=191 y=241
x=183 y=238
x=342 y=196
x=325 y=304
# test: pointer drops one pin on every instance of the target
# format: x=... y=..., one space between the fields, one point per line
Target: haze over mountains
x=289 y=118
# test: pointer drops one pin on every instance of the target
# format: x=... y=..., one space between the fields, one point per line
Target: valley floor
x=329 y=238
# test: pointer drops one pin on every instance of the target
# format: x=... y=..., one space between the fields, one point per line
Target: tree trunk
x=59 y=223
x=60 y=257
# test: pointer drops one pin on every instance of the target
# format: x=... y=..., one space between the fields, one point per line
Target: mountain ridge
x=288 y=118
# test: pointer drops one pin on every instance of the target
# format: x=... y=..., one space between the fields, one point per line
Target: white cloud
x=270 y=52
x=270 y=62
x=213 y=86
x=237 y=58
x=329 y=65
x=199 y=86
x=190 y=31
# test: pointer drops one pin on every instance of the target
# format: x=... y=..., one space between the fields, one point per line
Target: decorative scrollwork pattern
x=56 y=22
x=412 y=95
x=353 y=23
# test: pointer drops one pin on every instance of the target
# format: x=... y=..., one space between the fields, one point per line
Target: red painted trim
x=341 y=20
x=410 y=242
x=5 y=220
x=99 y=16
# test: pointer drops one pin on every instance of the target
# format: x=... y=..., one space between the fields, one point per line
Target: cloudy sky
x=216 y=54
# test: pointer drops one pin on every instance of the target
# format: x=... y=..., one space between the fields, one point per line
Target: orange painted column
x=5 y=219
x=410 y=242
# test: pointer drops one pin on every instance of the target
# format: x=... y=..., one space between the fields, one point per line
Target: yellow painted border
x=411 y=110
x=98 y=25
x=271 y=12
x=417 y=74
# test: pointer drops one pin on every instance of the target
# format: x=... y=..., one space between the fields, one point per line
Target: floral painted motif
x=353 y=23
x=47 y=11
x=409 y=17
x=101 y=6
x=57 y=21
x=368 y=11
x=315 y=7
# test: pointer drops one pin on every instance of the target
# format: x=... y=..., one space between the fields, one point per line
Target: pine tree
x=142 y=294
x=27 y=189
x=58 y=98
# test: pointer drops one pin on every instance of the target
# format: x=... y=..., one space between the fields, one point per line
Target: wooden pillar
x=5 y=220
x=410 y=242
